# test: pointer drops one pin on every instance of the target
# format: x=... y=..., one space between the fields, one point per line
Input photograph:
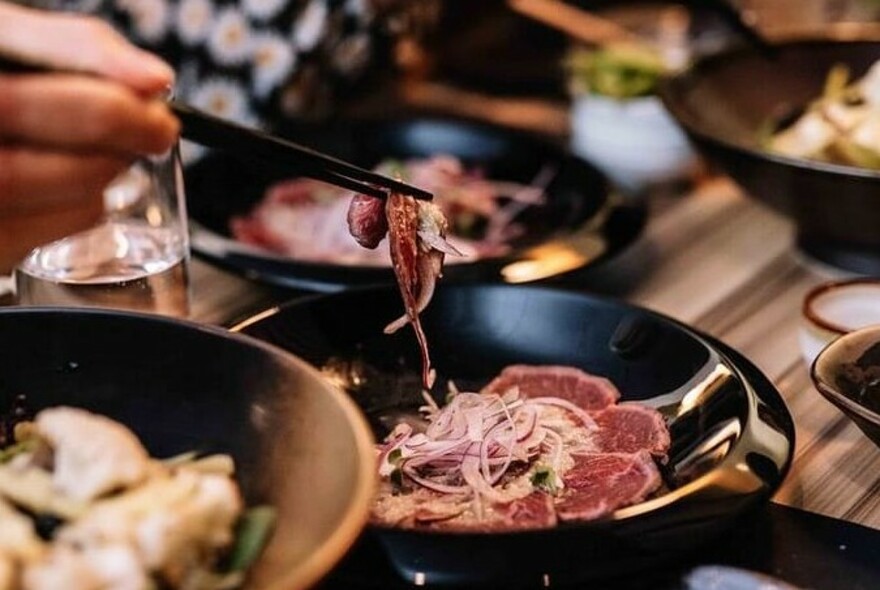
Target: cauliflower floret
x=8 y=570
x=869 y=85
x=92 y=454
x=17 y=536
x=809 y=136
x=112 y=567
x=172 y=522
x=867 y=134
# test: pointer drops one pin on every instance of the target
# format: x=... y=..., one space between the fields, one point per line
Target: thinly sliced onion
x=567 y=405
x=472 y=442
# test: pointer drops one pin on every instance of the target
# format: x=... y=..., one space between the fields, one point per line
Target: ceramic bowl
x=635 y=142
x=847 y=373
x=299 y=444
x=835 y=308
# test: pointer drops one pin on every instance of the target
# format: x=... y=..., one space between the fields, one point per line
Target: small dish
x=847 y=373
x=835 y=308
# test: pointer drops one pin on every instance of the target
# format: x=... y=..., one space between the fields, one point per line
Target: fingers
x=75 y=112
x=68 y=42
x=32 y=181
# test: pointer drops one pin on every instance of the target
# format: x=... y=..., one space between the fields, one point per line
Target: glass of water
x=136 y=258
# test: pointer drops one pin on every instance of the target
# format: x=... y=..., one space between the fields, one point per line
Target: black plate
x=185 y=387
x=724 y=101
x=581 y=224
x=732 y=437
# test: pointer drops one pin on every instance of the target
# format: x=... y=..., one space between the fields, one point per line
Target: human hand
x=64 y=136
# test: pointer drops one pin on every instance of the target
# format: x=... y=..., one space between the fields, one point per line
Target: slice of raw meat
x=600 y=483
x=535 y=511
x=366 y=220
x=586 y=391
x=629 y=428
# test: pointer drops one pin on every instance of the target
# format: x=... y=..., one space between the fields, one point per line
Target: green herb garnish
x=544 y=478
x=252 y=533
x=617 y=71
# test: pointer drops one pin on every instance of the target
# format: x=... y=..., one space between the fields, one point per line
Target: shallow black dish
x=723 y=103
x=582 y=223
x=732 y=435
x=184 y=387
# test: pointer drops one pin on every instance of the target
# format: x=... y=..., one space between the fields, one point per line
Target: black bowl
x=846 y=373
x=732 y=437
x=724 y=101
x=580 y=225
x=184 y=387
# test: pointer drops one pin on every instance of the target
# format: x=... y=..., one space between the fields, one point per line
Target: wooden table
x=726 y=265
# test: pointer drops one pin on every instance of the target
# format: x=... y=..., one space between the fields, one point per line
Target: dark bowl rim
x=671 y=87
x=829 y=392
x=622 y=515
x=316 y=565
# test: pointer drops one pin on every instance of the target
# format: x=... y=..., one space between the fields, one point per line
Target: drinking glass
x=136 y=258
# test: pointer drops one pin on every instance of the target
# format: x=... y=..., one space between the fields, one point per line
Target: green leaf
x=395 y=456
x=618 y=71
x=544 y=478
x=253 y=531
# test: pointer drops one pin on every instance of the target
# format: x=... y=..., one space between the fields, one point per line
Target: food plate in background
x=581 y=224
x=732 y=436
x=727 y=102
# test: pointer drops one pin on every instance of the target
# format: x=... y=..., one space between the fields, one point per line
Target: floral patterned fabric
x=254 y=61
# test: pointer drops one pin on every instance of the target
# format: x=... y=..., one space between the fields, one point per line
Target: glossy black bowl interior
x=223 y=185
x=183 y=387
x=732 y=436
x=847 y=374
x=725 y=100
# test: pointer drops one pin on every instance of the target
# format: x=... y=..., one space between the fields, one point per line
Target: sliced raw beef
x=599 y=484
x=535 y=511
x=629 y=428
x=580 y=388
x=366 y=220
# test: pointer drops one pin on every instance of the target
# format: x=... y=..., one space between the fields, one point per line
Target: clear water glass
x=136 y=258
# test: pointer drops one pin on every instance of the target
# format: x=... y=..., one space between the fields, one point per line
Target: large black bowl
x=298 y=443
x=580 y=225
x=724 y=101
x=732 y=437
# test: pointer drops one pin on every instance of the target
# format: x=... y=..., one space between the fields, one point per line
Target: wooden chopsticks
x=215 y=132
